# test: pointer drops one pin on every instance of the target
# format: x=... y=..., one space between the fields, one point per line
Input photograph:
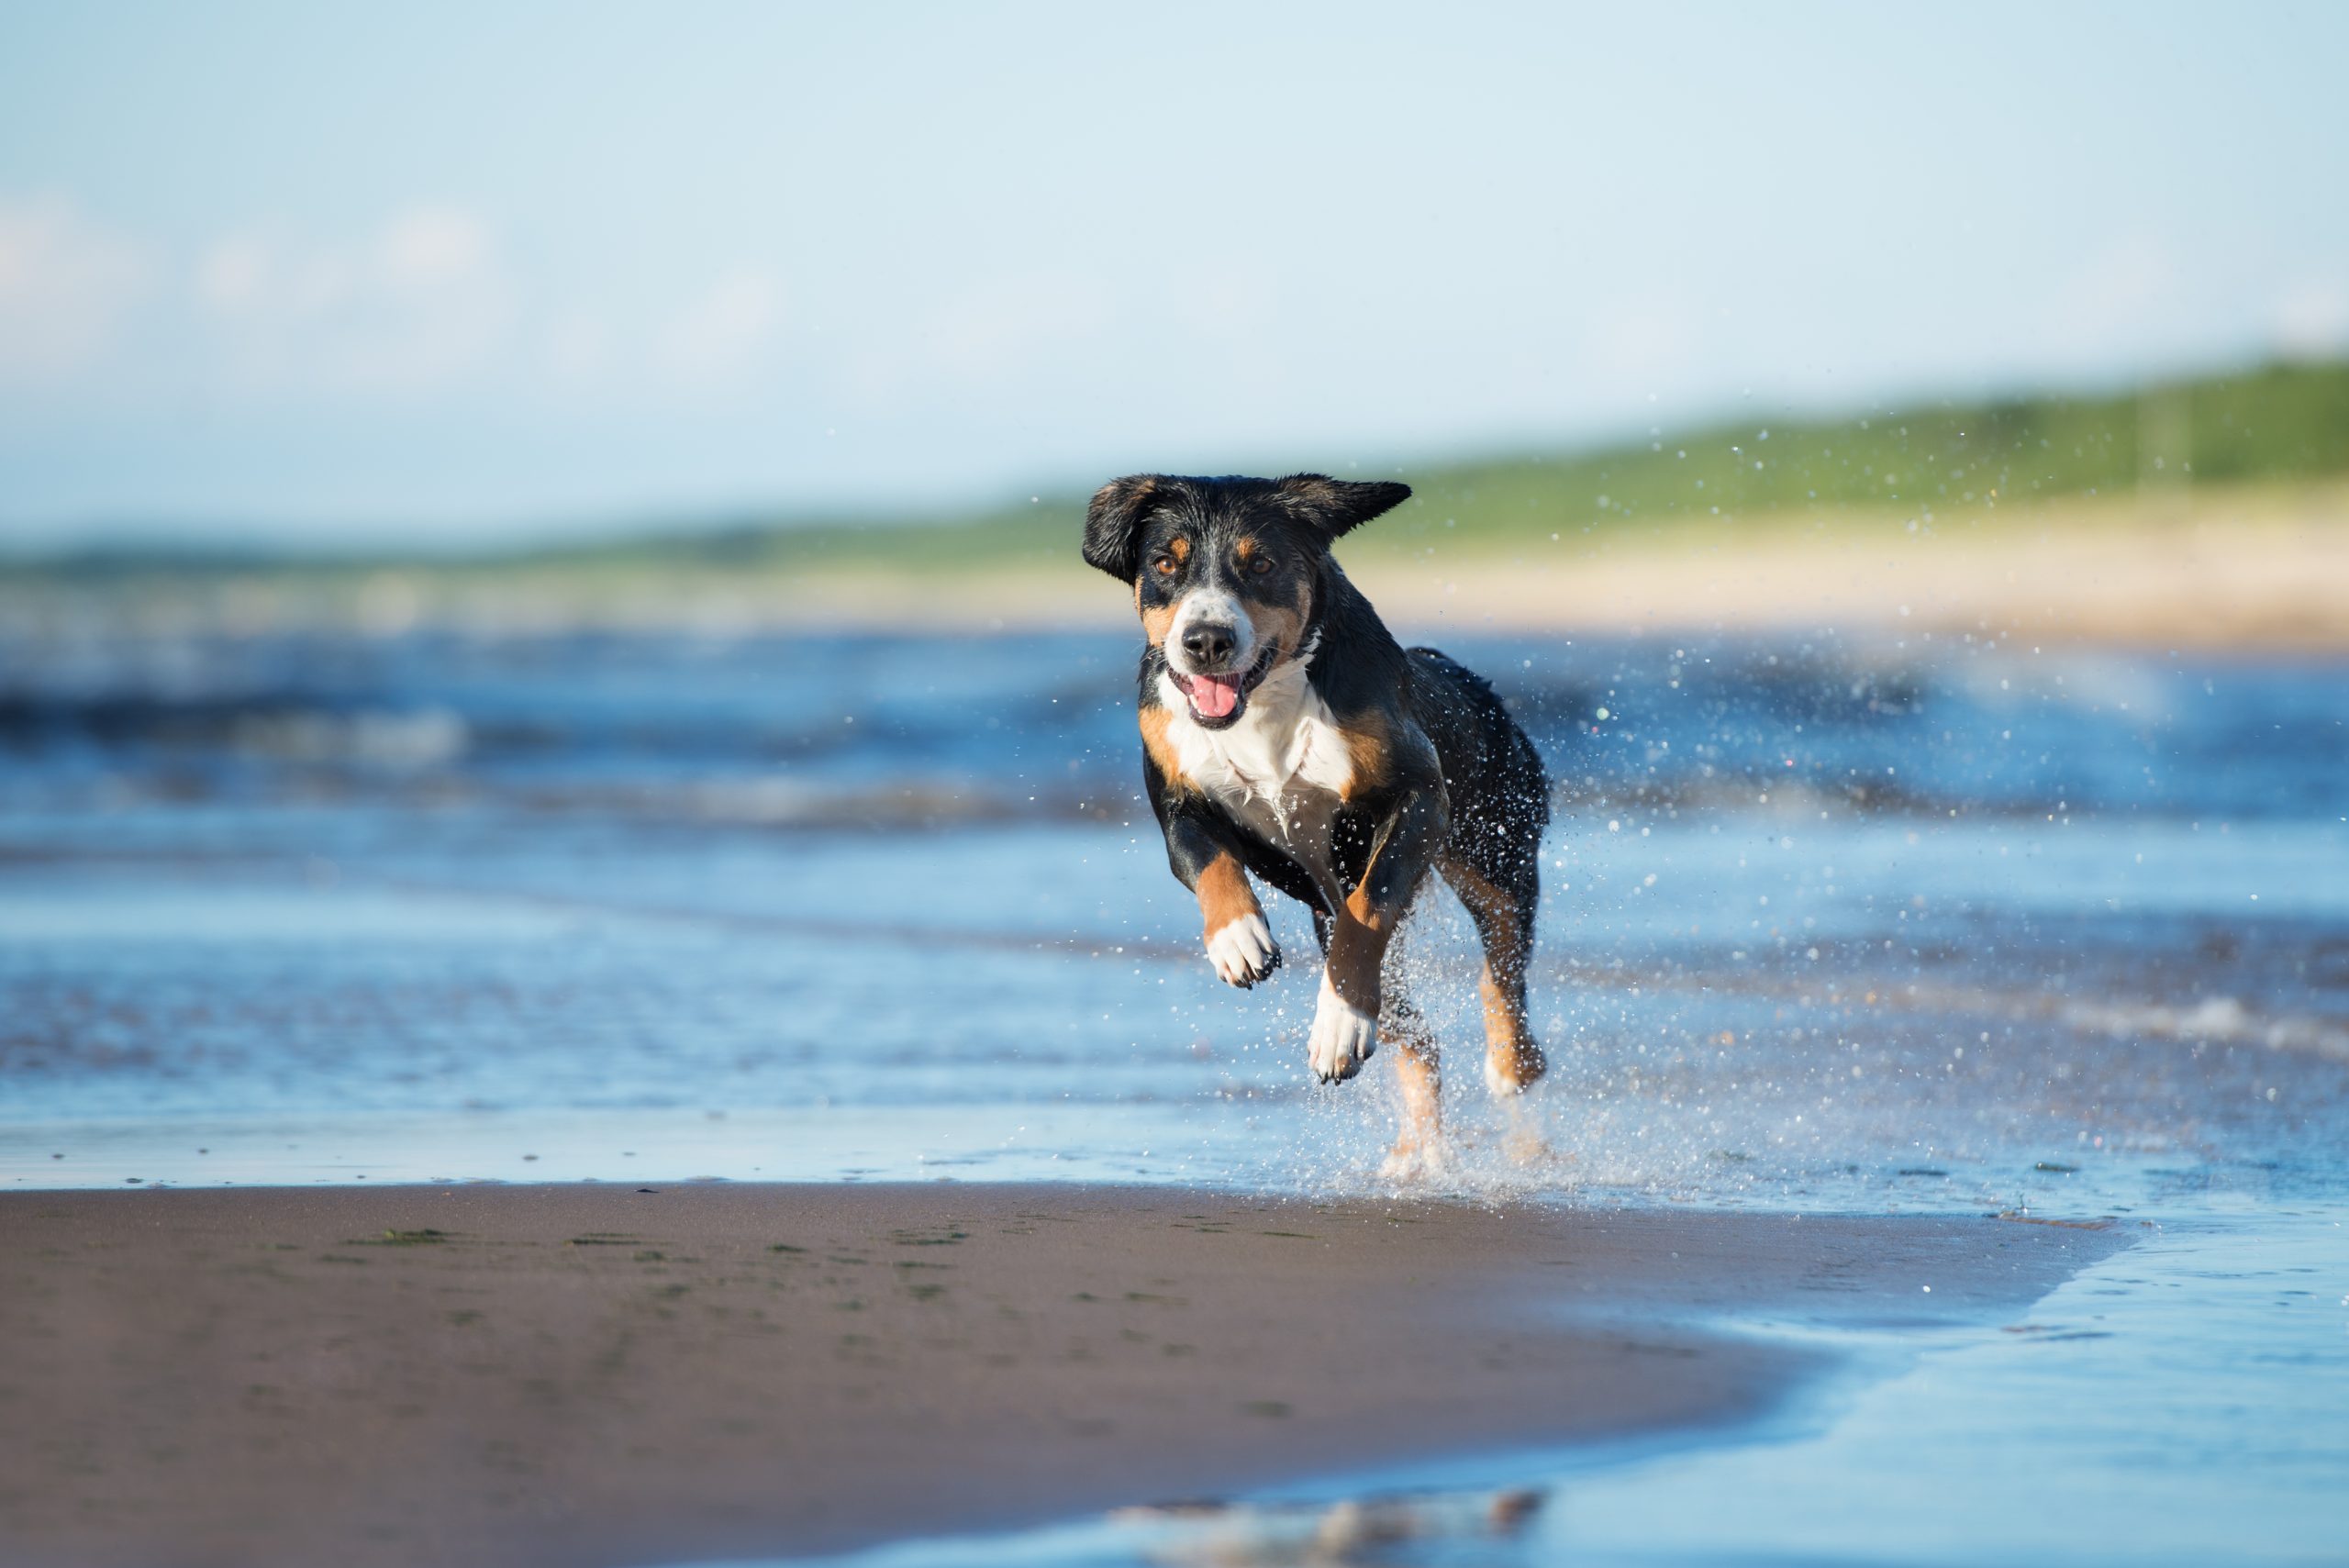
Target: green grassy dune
x=2276 y=423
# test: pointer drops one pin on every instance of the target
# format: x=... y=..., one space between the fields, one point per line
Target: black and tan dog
x=1286 y=733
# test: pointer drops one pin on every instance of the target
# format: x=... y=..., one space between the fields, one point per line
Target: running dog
x=1285 y=734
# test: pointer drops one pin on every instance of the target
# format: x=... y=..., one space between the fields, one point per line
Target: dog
x=1286 y=736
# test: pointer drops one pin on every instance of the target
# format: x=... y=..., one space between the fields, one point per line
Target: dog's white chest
x=1283 y=770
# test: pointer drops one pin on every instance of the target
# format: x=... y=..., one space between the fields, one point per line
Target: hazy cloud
x=2105 y=309
x=1649 y=336
x=722 y=332
x=419 y=304
x=987 y=334
x=66 y=286
x=2313 y=318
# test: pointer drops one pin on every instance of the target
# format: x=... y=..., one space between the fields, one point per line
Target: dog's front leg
x=1239 y=940
x=1345 y=1018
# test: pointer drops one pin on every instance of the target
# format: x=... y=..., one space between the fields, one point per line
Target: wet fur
x=1354 y=768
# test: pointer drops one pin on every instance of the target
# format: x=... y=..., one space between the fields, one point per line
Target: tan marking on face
x=1224 y=894
x=1280 y=626
x=1277 y=626
x=1156 y=622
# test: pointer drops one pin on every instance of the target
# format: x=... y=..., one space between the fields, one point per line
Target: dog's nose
x=1209 y=646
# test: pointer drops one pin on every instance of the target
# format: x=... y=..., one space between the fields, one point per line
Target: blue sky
x=341 y=273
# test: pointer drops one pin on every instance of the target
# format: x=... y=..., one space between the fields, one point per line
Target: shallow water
x=1935 y=927
x=2178 y=1403
x=1967 y=927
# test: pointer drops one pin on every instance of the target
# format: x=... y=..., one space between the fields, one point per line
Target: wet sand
x=597 y=1375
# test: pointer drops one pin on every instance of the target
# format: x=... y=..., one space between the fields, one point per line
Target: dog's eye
x=1164 y=565
x=1261 y=564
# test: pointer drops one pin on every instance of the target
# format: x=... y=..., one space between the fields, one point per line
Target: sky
x=472 y=273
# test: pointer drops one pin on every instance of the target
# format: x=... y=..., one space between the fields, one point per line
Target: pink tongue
x=1214 y=696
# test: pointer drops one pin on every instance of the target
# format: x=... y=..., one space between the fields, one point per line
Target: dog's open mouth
x=1217 y=700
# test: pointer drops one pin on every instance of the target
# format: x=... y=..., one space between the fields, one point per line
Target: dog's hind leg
x=1503 y=917
x=1419 y=1074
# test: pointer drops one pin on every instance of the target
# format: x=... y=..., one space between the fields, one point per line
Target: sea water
x=1961 y=925
x=1939 y=925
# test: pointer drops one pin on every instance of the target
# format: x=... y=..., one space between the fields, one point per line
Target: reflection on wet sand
x=1366 y=1532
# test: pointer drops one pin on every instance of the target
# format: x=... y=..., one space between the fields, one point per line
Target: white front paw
x=1344 y=1036
x=1243 y=951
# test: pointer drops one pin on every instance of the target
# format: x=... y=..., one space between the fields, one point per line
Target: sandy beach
x=2257 y=571
x=597 y=1375
x=2251 y=571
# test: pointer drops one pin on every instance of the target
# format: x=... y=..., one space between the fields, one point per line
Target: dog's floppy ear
x=1335 y=505
x=1113 y=523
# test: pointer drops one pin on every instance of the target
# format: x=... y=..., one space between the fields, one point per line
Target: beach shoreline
x=608 y=1374
x=2251 y=570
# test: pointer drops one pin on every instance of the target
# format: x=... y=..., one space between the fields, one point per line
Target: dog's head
x=1224 y=569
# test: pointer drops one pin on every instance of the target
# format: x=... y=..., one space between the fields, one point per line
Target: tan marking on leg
x=1419 y=1074
x=1224 y=894
x=1354 y=954
x=1512 y=1056
x=1357 y=953
x=1358 y=937
x=1510 y=1052
x=1369 y=753
x=1363 y=913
